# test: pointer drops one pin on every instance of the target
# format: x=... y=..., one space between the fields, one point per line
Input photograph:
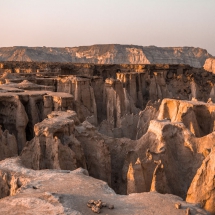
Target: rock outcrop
x=67 y=192
x=21 y=110
x=8 y=145
x=84 y=98
x=54 y=145
x=62 y=142
x=165 y=159
x=202 y=188
x=138 y=166
x=108 y=54
x=13 y=117
x=210 y=64
x=119 y=109
x=198 y=117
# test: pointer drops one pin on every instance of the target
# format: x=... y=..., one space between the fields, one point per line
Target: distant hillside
x=108 y=54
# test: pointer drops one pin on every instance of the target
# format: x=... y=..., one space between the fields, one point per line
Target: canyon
x=139 y=134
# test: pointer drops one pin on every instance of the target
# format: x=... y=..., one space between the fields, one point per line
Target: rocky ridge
x=108 y=54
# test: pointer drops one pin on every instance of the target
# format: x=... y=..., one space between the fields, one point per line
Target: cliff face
x=210 y=65
x=108 y=54
x=202 y=187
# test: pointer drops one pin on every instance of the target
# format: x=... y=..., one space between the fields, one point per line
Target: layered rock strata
x=54 y=145
x=84 y=98
x=62 y=142
x=20 y=111
x=108 y=54
x=198 y=117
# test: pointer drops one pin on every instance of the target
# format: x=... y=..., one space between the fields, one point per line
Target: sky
x=69 y=23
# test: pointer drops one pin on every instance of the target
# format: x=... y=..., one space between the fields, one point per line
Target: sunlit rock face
x=199 y=117
x=108 y=54
x=202 y=188
x=210 y=65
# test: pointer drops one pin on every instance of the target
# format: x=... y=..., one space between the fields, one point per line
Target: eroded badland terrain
x=139 y=137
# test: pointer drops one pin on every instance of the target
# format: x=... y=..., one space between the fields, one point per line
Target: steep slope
x=108 y=54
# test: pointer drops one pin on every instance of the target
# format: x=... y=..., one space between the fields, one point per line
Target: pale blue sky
x=61 y=23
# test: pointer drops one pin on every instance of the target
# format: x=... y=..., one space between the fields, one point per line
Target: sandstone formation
x=128 y=166
x=210 y=65
x=8 y=145
x=62 y=142
x=54 y=145
x=67 y=192
x=84 y=98
x=21 y=110
x=202 y=188
x=197 y=116
x=147 y=131
x=164 y=143
x=108 y=54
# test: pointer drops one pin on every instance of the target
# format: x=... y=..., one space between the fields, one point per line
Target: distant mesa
x=108 y=54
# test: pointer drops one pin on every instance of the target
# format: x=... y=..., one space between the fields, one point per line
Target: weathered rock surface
x=13 y=117
x=96 y=151
x=149 y=113
x=165 y=159
x=120 y=111
x=62 y=142
x=210 y=65
x=67 y=193
x=8 y=145
x=20 y=110
x=202 y=188
x=27 y=85
x=54 y=145
x=84 y=98
x=198 y=117
x=108 y=54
